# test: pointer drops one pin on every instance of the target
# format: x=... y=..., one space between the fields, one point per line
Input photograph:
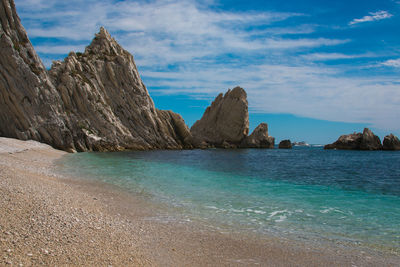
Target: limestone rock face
x=357 y=141
x=108 y=106
x=30 y=107
x=285 y=144
x=391 y=142
x=225 y=122
x=94 y=100
x=259 y=138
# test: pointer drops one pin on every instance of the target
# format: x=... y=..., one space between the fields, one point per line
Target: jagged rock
x=259 y=138
x=30 y=107
x=357 y=141
x=226 y=120
x=108 y=105
x=370 y=141
x=285 y=144
x=391 y=142
x=94 y=100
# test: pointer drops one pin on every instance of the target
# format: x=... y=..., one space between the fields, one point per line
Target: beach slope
x=48 y=219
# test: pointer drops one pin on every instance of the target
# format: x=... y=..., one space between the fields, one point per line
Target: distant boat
x=302 y=143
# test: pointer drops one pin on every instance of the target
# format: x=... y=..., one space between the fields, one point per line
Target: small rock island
x=366 y=140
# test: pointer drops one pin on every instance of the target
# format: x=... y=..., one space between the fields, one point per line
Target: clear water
x=308 y=193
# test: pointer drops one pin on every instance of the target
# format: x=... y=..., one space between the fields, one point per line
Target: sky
x=312 y=69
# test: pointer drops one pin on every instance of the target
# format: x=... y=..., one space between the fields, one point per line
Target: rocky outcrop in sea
x=391 y=142
x=259 y=138
x=285 y=144
x=357 y=141
x=226 y=124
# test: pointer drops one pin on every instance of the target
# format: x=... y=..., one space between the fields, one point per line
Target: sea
x=305 y=193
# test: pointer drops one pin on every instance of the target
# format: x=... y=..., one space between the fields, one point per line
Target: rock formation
x=391 y=142
x=285 y=144
x=91 y=101
x=225 y=122
x=96 y=101
x=108 y=105
x=30 y=107
x=259 y=138
x=357 y=141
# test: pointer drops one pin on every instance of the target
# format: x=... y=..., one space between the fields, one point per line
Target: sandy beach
x=47 y=219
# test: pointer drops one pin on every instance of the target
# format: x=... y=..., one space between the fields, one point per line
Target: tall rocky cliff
x=30 y=107
x=90 y=101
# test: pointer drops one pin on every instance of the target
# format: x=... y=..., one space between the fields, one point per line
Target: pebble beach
x=48 y=220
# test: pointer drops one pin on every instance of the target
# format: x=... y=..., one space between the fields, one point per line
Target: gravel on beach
x=49 y=220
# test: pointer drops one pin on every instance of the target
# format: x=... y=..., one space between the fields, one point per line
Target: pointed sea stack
x=357 y=141
x=225 y=122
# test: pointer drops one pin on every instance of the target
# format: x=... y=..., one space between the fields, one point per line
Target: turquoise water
x=307 y=193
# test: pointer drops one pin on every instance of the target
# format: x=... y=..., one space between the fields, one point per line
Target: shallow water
x=306 y=193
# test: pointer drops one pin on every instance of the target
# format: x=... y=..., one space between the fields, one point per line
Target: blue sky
x=313 y=70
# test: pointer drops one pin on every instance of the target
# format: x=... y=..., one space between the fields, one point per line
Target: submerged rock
x=225 y=122
x=285 y=144
x=357 y=141
x=391 y=142
x=259 y=138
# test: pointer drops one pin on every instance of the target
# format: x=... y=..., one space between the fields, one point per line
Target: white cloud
x=334 y=56
x=309 y=91
x=392 y=63
x=373 y=16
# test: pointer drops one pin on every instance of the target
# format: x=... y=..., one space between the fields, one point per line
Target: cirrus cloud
x=373 y=16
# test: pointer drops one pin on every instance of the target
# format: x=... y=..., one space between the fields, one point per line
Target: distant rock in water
x=226 y=124
x=94 y=100
x=259 y=138
x=285 y=144
x=357 y=141
x=391 y=142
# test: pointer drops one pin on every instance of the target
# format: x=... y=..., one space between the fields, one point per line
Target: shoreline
x=53 y=220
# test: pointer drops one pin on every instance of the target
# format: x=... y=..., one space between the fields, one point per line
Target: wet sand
x=46 y=219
